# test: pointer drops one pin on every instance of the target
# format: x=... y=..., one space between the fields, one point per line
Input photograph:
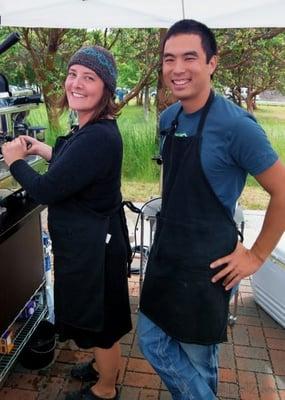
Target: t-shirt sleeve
x=88 y=158
x=250 y=147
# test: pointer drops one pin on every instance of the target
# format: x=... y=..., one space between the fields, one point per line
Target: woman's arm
x=88 y=158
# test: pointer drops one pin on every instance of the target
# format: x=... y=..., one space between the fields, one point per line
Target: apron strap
x=205 y=113
x=172 y=129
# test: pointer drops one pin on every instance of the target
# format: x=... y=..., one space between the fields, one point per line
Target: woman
x=86 y=220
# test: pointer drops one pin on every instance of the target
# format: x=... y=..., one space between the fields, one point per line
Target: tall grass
x=140 y=144
x=272 y=119
x=38 y=117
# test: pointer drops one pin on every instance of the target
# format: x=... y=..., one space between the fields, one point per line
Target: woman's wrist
x=45 y=152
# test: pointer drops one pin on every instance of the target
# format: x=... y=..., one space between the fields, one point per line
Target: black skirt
x=117 y=315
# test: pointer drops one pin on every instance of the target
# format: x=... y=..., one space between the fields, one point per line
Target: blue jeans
x=189 y=371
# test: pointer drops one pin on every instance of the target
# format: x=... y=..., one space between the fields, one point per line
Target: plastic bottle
x=48 y=276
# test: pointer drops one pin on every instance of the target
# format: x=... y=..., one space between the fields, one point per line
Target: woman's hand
x=15 y=150
x=35 y=147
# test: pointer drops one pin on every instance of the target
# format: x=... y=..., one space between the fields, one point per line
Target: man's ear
x=213 y=64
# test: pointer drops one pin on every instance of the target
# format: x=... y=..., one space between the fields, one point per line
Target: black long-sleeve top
x=85 y=164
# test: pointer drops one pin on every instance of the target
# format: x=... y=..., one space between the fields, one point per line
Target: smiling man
x=209 y=145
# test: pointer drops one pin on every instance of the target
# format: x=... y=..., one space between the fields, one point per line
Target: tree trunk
x=140 y=98
x=146 y=103
x=249 y=103
x=53 y=114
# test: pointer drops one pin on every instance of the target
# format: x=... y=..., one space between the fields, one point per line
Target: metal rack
x=23 y=335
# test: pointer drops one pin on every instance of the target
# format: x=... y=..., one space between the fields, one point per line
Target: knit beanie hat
x=100 y=61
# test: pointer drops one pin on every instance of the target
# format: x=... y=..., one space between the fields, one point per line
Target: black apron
x=78 y=236
x=193 y=230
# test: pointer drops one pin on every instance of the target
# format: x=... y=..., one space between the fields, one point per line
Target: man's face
x=185 y=70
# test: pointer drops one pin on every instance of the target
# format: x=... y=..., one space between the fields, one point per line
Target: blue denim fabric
x=189 y=371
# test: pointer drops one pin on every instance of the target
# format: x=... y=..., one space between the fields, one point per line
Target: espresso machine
x=23 y=299
x=13 y=113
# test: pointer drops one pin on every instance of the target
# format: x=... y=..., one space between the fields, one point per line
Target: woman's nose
x=77 y=81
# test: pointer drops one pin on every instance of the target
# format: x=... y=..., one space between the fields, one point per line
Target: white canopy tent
x=143 y=13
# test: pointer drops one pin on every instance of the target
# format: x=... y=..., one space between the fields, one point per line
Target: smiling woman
x=84 y=90
x=86 y=220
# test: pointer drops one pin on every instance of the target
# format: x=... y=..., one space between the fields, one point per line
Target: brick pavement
x=252 y=363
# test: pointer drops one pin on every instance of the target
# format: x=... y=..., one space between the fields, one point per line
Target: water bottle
x=48 y=276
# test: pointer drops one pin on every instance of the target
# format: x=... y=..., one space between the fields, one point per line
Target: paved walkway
x=252 y=363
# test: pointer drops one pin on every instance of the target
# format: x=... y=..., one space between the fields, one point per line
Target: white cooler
x=268 y=284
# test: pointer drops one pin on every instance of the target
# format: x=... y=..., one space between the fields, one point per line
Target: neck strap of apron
x=172 y=129
x=204 y=114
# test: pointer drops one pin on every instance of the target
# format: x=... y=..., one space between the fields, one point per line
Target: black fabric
x=85 y=372
x=87 y=394
x=82 y=189
x=193 y=230
x=85 y=164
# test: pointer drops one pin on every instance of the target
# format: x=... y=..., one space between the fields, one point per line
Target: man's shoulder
x=230 y=109
x=230 y=114
x=169 y=113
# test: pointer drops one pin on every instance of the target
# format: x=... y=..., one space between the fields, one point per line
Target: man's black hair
x=190 y=26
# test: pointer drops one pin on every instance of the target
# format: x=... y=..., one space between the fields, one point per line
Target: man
x=209 y=146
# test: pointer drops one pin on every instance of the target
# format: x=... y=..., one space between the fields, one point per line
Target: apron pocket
x=79 y=259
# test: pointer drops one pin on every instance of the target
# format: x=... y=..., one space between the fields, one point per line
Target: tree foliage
x=249 y=58
x=253 y=59
x=136 y=53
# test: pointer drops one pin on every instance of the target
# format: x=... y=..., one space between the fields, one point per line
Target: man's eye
x=89 y=78
x=72 y=74
x=167 y=60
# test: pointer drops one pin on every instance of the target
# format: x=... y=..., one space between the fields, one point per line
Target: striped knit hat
x=100 y=61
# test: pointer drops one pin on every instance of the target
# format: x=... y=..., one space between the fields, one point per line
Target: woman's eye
x=71 y=74
x=89 y=78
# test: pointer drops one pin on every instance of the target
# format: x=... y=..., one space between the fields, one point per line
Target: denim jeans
x=189 y=371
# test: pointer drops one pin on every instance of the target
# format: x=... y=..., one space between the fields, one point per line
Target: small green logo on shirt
x=180 y=134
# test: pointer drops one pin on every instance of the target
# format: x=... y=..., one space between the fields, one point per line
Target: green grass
x=38 y=117
x=139 y=137
x=272 y=119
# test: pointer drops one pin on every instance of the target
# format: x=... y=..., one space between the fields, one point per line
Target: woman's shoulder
x=100 y=133
x=106 y=127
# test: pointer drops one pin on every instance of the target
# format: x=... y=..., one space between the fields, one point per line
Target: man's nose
x=179 y=67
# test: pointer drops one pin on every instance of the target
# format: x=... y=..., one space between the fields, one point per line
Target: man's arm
x=244 y=262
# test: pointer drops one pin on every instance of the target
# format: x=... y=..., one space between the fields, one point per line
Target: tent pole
x=183 y=9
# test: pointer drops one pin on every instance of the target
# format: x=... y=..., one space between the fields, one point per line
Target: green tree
x=10 y=61
x=136 y=52
x=251 y=59
x=49 y=50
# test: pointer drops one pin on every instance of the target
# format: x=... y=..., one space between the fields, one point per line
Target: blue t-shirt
x=233 y=145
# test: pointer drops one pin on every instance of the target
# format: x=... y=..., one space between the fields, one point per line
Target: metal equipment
x=23 y=302
x=13 y=113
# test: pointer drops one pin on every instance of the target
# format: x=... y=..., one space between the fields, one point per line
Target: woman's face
x=84 y=90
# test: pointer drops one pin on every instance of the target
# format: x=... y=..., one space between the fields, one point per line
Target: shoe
x=85 y=372
x=87 y=394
